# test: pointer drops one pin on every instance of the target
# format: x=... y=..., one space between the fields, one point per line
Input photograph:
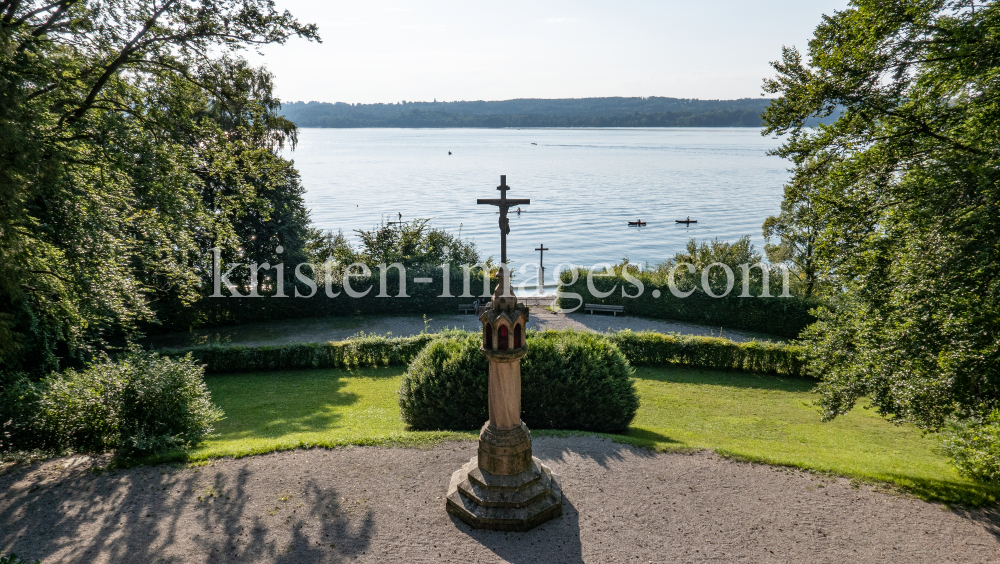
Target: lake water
x=584 y=186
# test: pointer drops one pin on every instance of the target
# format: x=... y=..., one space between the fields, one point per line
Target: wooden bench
x=614 y=309
x=468 y=308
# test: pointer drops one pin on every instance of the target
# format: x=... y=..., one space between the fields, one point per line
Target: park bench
x=614 y=309
x=468 y=308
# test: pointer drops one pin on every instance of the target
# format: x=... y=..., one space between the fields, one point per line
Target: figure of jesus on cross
x=504 y=204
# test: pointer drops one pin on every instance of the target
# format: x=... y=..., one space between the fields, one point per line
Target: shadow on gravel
x=598 y=452
x=134 y=515
x=557 y=540
x=987 y=517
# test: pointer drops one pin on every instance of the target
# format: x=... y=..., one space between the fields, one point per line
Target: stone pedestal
x=504 y=503
x=503 y=487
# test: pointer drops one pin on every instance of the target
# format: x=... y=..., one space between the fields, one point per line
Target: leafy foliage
x=143 y=403
x=646 y=348
x=903 y=193
x=795 y=229
x=568 y=381
x=640 y=349
x=132 y=139
x=974 y=446
x=781 y=316
x=652 y=111
x=15 y=559
x=420 y=248
x=414 y=244
x=18 y=407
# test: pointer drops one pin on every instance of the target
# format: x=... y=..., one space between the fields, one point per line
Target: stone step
x=534 y=509
x=506 y=498
x=489 y=481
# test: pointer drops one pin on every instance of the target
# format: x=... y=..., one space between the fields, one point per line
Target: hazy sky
x=376 y=51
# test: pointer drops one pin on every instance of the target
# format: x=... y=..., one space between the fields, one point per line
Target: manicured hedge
x=423 y=298
x=784 y=317
x=656 y=349
x=365 y=351
x=640 y=349
x=569 y=380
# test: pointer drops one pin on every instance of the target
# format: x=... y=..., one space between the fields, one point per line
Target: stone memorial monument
x=504 y=487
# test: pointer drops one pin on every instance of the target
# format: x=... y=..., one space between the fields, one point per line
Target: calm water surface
x=584 y=186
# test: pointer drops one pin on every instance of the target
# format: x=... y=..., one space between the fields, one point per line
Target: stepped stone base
x=504 y=503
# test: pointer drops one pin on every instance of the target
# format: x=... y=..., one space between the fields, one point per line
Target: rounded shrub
x=569 y=380
x=141 y=404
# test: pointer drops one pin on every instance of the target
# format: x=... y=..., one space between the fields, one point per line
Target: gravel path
x=339 y=329
x=387 y=505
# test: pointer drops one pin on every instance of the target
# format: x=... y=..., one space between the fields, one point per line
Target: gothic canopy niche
x=503 y=328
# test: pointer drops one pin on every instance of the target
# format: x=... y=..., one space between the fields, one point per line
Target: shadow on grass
x=139 y=514
x=646 y=438
x=731 y=379
x=951 y=493
x=272 y=405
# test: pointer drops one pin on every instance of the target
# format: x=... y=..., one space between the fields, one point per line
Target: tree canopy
x=905 y=183
x=652 y=111
x=133 y=138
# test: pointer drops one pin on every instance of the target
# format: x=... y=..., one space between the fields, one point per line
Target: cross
x=504 y=204
x=541 y=264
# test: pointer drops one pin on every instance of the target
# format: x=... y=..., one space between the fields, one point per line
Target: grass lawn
x=267 y=411
x=761 y=418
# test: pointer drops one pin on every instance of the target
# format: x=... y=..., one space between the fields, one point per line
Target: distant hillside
x=532 y=112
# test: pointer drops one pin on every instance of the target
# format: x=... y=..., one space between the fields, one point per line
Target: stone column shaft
x=505 y=394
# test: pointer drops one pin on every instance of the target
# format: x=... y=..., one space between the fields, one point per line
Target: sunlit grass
x=761 y=418
x=267 y=411
x=772 y=419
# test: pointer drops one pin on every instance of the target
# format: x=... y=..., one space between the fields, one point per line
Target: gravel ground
x=367 y=504
x=338 y=329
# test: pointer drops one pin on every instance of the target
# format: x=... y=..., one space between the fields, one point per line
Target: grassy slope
x=762 y=418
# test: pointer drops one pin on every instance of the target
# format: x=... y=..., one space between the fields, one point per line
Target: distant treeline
x=530 y=112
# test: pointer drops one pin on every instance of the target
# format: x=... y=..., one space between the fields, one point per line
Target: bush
x=656 y=349
x=784 y=317
x=141 y=404
x=18 y=405
x=569 y=380
x=640 y=349
x=974 y=447
x=423 y=299
x=369 y=350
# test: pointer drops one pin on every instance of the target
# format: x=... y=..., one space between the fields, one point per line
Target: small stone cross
x=541 y=263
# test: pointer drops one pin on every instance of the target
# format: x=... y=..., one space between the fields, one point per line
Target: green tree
x=131 y=139
x=907 y=186
x=701 y=255
x=414 y=243
x=795 y=229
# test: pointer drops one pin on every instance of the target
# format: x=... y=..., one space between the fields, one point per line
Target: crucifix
x=504 y=204
x=541 y=264
x=503 y=487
